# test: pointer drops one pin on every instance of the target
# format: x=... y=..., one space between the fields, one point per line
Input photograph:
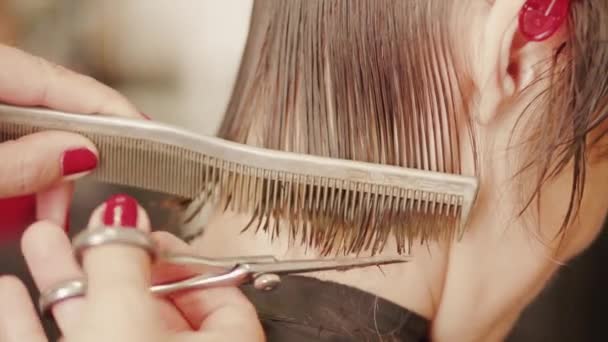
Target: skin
x=118 y=306
x=474 y=289
x=31 y=81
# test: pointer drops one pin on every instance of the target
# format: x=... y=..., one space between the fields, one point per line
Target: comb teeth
x=333 y=205
x=330 y=205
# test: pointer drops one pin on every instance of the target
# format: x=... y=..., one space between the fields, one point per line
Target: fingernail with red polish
x=78 y=160
x=147 y=117
x=121 y=211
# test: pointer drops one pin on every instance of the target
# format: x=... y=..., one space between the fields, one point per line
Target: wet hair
x=327 y=78
x=382 y=81
x=568 y=118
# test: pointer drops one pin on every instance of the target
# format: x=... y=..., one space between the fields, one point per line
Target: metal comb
x=317 y=196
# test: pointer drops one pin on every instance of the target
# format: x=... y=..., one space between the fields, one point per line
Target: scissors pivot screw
x=266 y=281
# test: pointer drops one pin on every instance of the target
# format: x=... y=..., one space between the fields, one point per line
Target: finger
x=170 y=243
x=50 y=259
x=42 y=159
x=166 y=272
x=31 y=81
x=221 y=313
x=53 y=204
x=162 y=273
x=114 y=270
x=119 y=304
x=18 y=319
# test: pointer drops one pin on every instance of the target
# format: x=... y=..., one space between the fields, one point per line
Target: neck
x=445 y=283
x=415 y=285
x=472 y=290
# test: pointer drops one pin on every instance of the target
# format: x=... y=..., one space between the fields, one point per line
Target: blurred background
x=177 y=60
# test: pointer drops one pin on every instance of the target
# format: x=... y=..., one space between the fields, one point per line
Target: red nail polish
x=78 y=160
x=540 y=19
x=147 y=117
x=120 y=210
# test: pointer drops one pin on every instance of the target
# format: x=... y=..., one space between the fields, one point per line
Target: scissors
x=263 y=272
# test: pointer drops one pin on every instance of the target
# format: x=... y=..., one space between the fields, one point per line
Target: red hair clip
x=540 y=19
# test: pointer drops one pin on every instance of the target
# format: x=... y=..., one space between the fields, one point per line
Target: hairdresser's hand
x=119 y=306
x=42 y=162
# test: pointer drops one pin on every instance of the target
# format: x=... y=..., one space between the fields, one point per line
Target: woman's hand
x=41 y=163
x=119 y=305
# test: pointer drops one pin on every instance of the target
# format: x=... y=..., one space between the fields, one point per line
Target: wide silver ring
x=106 y=235
x=60 y=292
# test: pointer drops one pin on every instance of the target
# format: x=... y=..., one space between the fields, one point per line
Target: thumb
x=119 y=304
x=114 y=270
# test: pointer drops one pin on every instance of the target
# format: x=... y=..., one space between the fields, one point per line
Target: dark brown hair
x=380 y=81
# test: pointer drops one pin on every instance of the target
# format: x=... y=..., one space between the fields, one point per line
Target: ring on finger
x=108 y=235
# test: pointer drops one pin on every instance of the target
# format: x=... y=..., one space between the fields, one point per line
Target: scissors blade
x=206 y=263
x=313 y=265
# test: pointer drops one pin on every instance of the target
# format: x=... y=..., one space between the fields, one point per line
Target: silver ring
x=102 y=235
x=60 y=292
x=106 y=235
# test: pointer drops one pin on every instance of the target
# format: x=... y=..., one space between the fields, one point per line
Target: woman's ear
x=508 y=60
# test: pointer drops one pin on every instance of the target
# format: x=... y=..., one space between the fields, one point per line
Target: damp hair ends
x=334 y=78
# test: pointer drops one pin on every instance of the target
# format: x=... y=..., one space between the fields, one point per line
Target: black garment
x=306 y=309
